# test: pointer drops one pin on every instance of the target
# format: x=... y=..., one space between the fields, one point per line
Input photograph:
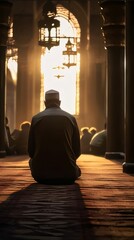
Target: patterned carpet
x=99 y=206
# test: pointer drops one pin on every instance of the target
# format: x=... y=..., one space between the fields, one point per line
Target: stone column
x=128 y=165
x=5 y=9
x=28 y=78
x=113 y=14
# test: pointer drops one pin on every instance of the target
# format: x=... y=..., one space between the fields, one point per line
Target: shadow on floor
x=47 y=212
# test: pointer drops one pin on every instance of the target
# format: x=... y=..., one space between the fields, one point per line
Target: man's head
x=52 y=98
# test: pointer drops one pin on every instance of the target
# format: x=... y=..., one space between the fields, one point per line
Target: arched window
x=55 y=75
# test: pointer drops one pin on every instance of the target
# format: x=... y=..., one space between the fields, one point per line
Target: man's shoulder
x=53 y=111
x=67 y=115
x=37 y=117
x=49 y=112
x=39 y=114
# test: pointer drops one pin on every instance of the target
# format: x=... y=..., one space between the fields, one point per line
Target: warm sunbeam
x=12 y=66
x=59 y=77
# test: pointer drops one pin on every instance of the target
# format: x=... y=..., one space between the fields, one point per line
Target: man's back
x=54 y=144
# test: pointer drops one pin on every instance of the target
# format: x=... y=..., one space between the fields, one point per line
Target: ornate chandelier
x=49 y=26
x=49 y=34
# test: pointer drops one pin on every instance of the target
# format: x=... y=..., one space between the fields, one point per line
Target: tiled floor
x=99 y=206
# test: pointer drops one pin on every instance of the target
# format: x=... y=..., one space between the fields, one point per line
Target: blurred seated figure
x=85 y=140
x=9 y=141
x=15 y=133
x=21 y=138
x=98 y=143
x=92 y=130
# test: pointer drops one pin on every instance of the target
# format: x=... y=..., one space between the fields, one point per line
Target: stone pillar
x=22 y=86
x=113 y=13
x=5 y=9
x=28 y=78
x=128 y=165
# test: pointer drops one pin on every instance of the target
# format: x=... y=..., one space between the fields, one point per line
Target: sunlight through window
x=59 y=77
x=12 y=66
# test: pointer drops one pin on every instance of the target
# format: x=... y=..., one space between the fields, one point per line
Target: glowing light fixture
x=48 y=26
x=12 y=50
x=49 y=34
x=70 y=55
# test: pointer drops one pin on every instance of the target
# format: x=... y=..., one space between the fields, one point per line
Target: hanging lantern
x=12 y=50
x=49 y=32
x=49 y=27
x=70 y=55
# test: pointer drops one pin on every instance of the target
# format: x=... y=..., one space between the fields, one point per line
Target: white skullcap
x=52 y=95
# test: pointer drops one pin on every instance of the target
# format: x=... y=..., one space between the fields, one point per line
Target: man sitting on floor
x=54 y=144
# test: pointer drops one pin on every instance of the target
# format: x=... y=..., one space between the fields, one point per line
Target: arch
x=54 y=74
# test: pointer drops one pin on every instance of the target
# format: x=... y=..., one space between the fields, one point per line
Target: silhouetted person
x=98 y=143
x=85 y=140
x=54 y=144
x=22 y=138
x=15 y=133
x=92 y=130
x=9 y=141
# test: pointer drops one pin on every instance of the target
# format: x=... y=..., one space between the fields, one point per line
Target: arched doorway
x=57 y=76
